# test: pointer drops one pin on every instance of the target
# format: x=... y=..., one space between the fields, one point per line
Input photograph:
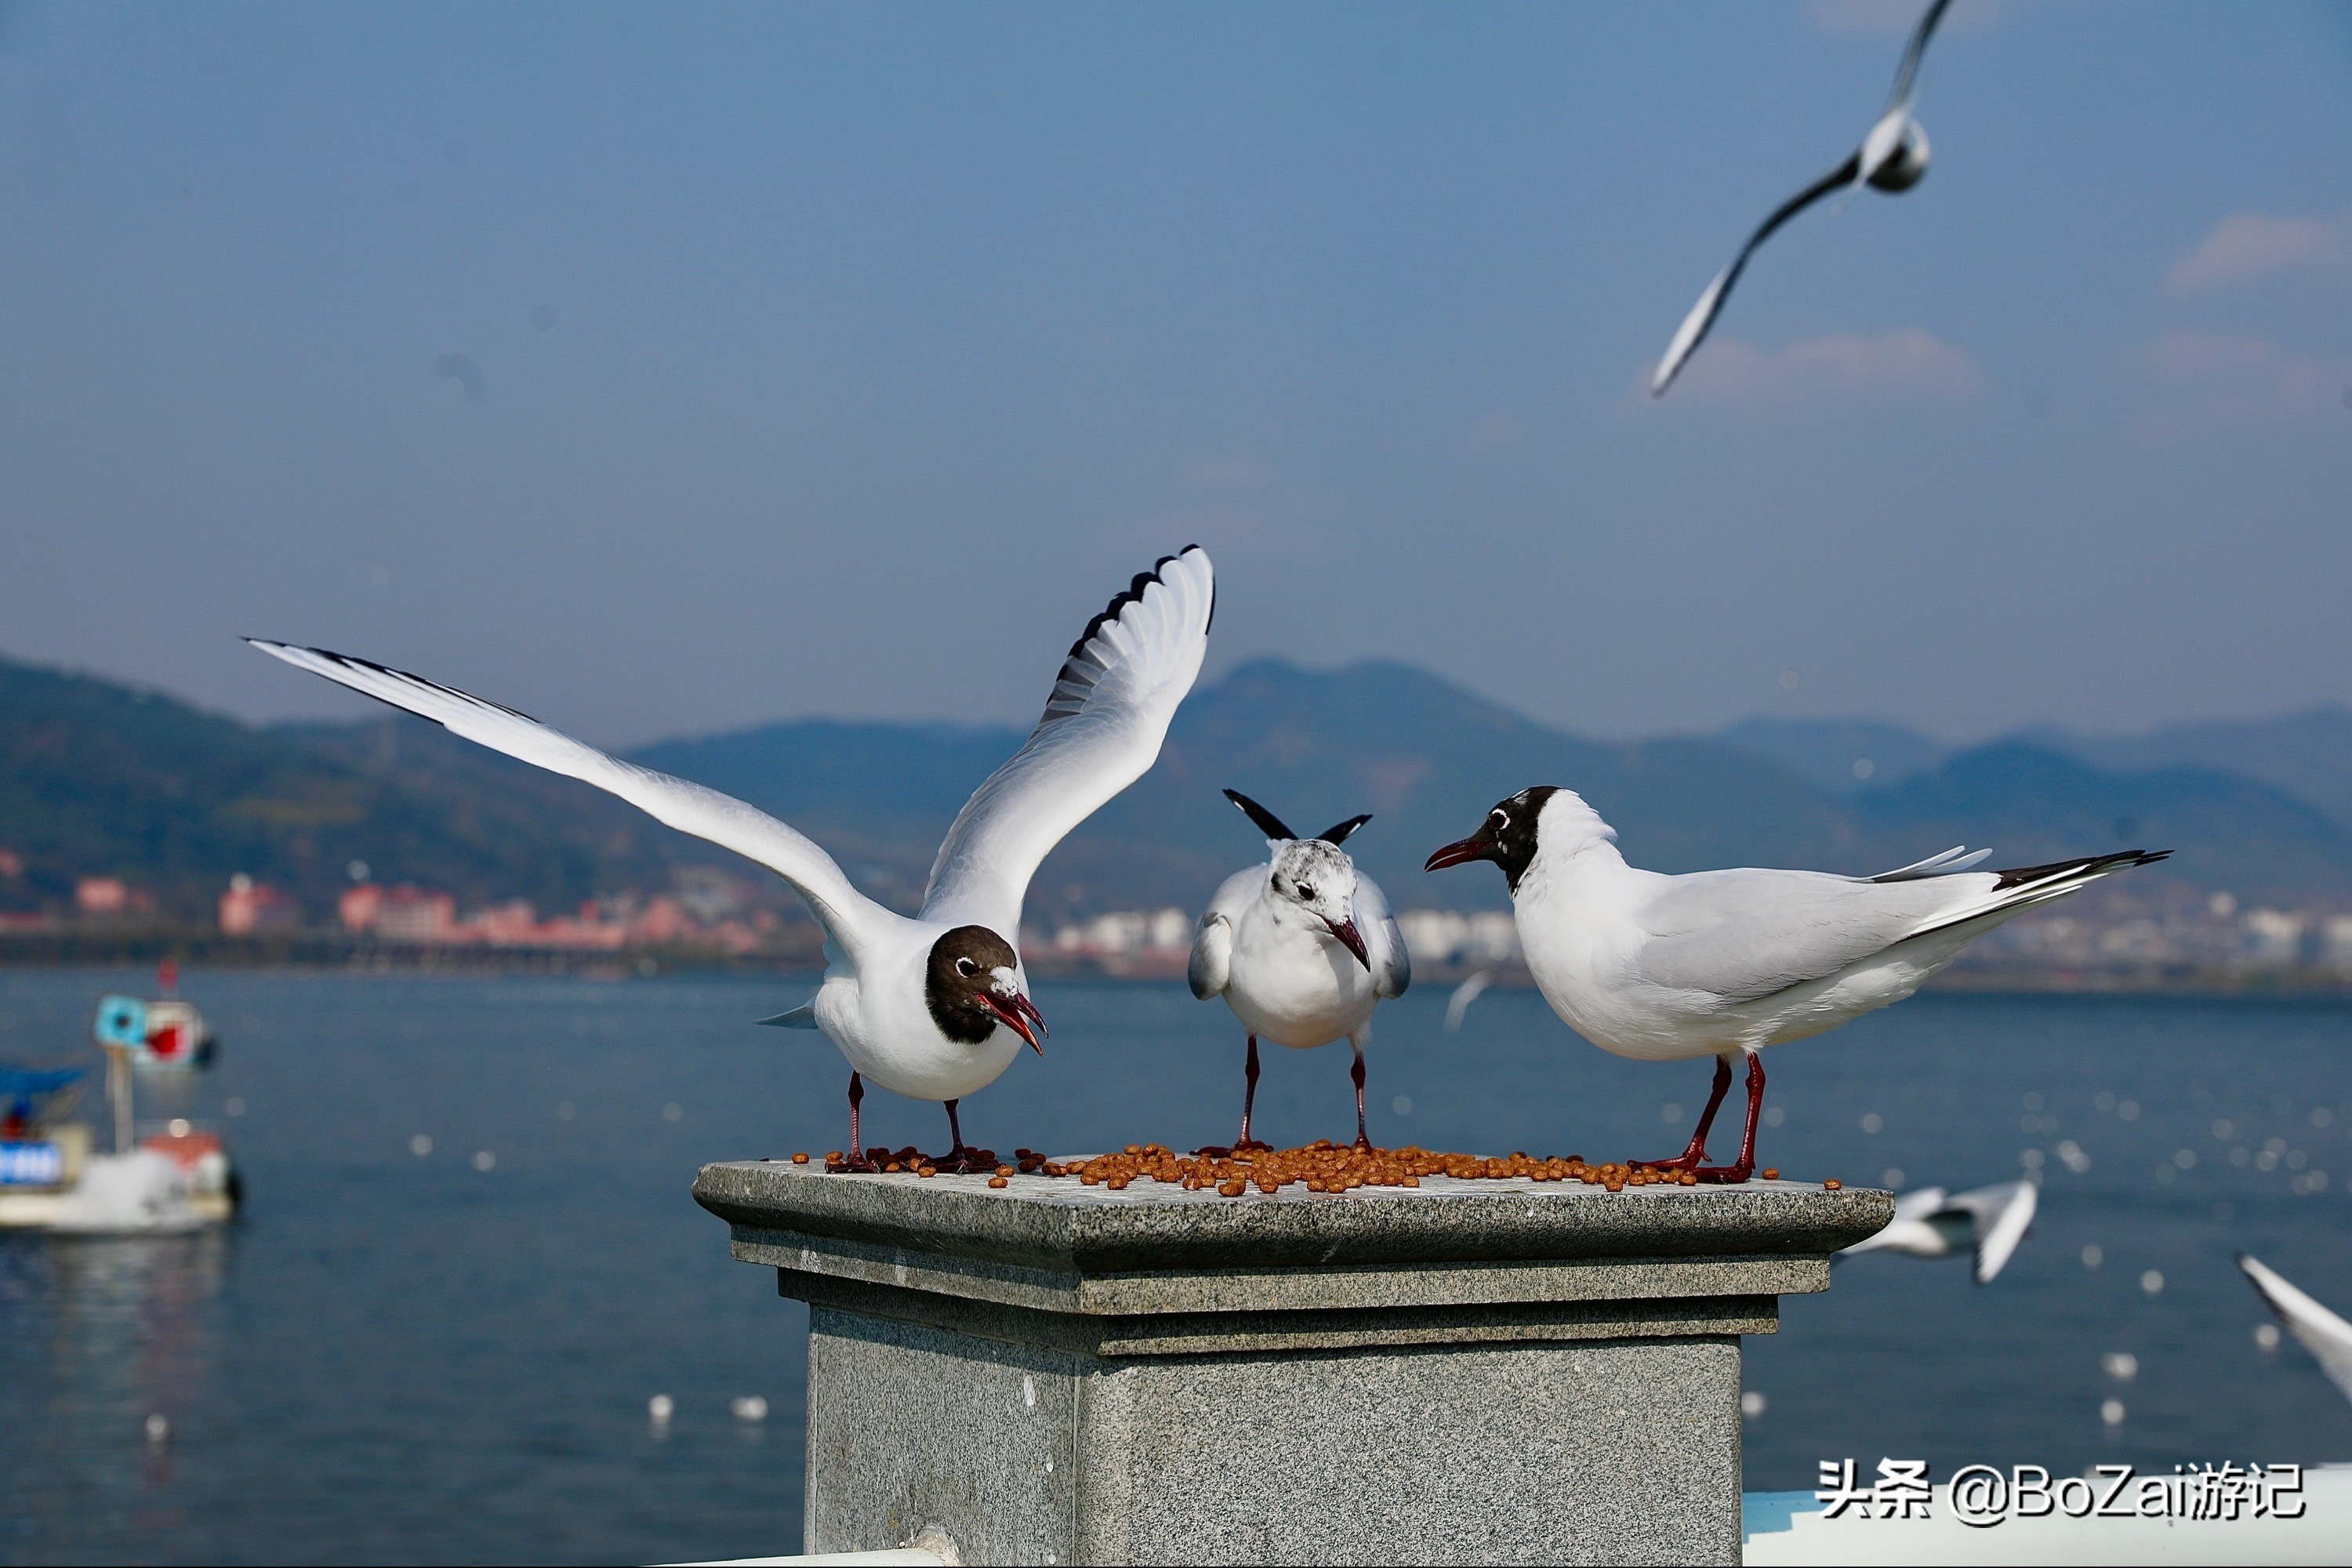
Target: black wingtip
x=2088 y=866
x=1268 y=823
x=1337 y=833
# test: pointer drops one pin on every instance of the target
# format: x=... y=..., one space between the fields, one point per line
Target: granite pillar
x=1489 y=1371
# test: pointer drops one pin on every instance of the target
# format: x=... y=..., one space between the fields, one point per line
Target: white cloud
x=1909 y=362
x=2233 y=379
x=2250 y=245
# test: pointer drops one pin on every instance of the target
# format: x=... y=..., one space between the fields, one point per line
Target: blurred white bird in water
x=1469 y=991
x=1986 y=1221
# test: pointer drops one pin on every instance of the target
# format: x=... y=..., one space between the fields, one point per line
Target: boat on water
x=160 y=1177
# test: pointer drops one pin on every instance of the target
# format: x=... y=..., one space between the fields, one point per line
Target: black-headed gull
x=1301 y=947
x=1988 y=1222
x=2320 y=1332
x=1723 y=964
x=937 y=1006
x=1892 y=158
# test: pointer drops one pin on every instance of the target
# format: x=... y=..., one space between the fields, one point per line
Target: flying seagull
x=1892 y=158
x=1301 y=947
x=934 y=1006
x=1988 y=1221
x=2322 y=1333
x=1723 y=964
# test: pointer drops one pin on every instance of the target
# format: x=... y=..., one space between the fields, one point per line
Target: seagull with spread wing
x=1302 y=947
x=1892 y=158
x=1724 y=963
x=1987 y=1221
x=935 y=1006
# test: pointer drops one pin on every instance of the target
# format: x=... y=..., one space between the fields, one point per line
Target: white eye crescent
x=1502 y=818
x=966 y=966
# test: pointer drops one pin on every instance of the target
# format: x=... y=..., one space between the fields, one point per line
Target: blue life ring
x=122 y=1021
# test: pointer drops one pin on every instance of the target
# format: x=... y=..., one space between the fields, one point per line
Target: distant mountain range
x=97 y=778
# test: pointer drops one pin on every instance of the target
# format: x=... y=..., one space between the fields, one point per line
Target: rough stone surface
x=1464 y=1372
x=1058 y=1226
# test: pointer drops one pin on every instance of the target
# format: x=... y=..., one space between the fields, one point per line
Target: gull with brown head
x=934 y=1005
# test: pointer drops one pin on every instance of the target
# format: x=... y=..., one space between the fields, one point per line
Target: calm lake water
x=397 y=1356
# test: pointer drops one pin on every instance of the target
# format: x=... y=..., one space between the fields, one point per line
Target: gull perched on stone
x=1723 y=964
x=1893 y=158
x=936 y=1005
x=2318 y=1331
x=1988 y=1221
x=1301 y=947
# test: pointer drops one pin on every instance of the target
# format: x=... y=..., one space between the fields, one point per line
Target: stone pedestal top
x=1052 y=1244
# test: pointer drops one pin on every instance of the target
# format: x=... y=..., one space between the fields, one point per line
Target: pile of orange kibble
x=1321 y=1166
x=1324 y=1166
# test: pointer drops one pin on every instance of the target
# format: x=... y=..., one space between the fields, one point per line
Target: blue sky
x=842 y=360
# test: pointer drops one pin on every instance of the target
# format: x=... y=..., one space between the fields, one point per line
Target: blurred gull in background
x=1892 y=158
x=1927 y=1223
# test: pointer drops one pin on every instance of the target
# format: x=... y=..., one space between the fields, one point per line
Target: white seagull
x=1723 y=964
x=1301 y=948
x=2322 y=1333
x=1892 y=158
x=935 y=1006
x=1989 y=1221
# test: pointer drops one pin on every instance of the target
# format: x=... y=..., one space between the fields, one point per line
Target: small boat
x=176 y=1177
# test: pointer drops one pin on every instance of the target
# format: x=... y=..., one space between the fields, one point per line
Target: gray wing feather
x=1742 y=935
x=1213 y=943
x=1383 y=943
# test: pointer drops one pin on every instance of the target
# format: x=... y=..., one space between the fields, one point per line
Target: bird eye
x=966 y=966
x=1305 y=892
x=1502 y=818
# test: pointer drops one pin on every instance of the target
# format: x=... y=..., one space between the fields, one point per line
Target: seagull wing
x=848 y=915
x=1391 y=966
x=1742 y=935
x=1955 y=859
x=1458 y=1006
x=1213 y=944
x=1909 y=1209
x=1906 y=75
x=1694 y=327
x=2322 y=1333
x=1102 y=729
x=2002 y=1214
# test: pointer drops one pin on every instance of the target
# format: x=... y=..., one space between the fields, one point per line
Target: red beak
x=1017 y=1014
x=1352 y=940
x=1479 y=846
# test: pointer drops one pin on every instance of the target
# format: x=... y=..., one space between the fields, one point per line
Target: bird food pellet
x=998 y=1182
x=800 y=1159
x=1832 y=1184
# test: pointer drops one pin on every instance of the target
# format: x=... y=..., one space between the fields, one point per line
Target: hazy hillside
x=97 y=778
x=1844 y=756
x=2035 y=805
x=2308 y=755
